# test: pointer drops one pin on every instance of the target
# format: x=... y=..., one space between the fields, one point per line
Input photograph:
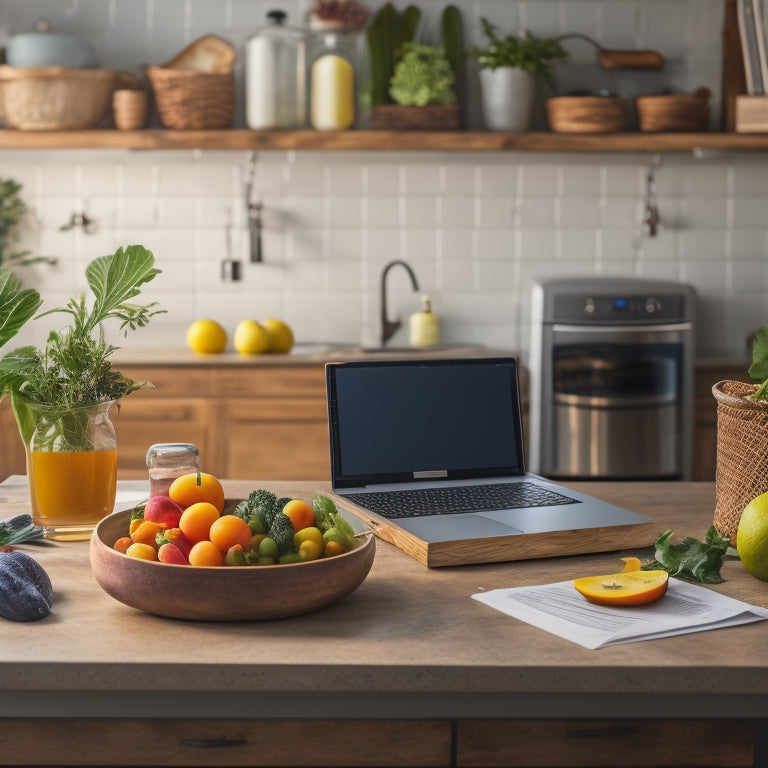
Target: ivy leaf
x=691 y=559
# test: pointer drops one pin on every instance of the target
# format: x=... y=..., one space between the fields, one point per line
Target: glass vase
x=71 y=466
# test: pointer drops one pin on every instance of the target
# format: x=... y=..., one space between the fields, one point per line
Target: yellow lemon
x=250 y=338
x=752 y=537
x=206 y=337
x=280 y=335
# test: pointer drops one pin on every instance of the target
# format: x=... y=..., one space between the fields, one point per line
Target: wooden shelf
x=347 y=141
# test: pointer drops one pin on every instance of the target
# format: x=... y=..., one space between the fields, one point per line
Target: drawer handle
x=213 y=743
x=600 y=733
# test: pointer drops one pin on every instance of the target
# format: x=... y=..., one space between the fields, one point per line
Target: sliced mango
x=625 y=588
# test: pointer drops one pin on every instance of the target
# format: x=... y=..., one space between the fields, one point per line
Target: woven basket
x=432 y=117
x=586 y=114
x=190 y=100
x=742 y=452
x=56 y=98
x=674 y=112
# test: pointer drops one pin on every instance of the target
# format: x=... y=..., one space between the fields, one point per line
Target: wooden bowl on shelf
x=226 y=593
x=674 y=111
x=586 y=114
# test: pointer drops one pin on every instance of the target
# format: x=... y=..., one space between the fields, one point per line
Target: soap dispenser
x=425 y=326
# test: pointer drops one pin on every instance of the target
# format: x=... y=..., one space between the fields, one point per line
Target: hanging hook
x=651 y=217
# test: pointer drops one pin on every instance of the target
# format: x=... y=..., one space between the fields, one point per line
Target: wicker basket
x=586 y=114
x=742 y=455
x=191 y=100
x=674 y=112
x=432 y=117
x=57 y=98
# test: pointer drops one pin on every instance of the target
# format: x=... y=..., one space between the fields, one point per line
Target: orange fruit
x=300 y=513
x=206 y=337
x=205 y=553
x=191 y=489
x=625 y=588
x=228 y=531
x=142 y=551
x=197 y=519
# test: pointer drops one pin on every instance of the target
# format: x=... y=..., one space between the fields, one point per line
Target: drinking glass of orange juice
x=71 y=467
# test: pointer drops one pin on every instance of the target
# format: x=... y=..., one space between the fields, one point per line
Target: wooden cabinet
x=427 y=743
x=248 y=421
x=592 y=743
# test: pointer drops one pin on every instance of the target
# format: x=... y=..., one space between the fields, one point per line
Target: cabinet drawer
x=261 y=381
x=618 y=743
x=225 y=743
x=171 y=381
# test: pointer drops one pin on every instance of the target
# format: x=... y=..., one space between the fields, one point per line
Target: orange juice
x=72 y=491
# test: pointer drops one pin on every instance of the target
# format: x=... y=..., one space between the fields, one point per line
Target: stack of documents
x=560 y=609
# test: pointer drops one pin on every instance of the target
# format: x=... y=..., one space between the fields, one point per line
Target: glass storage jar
x=167 y=461
x=276 y=76
x=332 y=80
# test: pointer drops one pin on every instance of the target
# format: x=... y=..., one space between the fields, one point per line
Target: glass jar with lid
x=332 y=80
x=167 y=461
x=275 y=76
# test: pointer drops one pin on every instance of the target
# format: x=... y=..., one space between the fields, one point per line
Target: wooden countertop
x=409 y=642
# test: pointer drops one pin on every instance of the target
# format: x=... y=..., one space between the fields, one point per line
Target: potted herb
x=509 y=69
x=61 y=394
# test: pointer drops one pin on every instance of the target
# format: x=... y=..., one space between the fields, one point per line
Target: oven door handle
x=627 y=329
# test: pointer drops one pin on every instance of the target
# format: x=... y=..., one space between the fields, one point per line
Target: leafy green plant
x=758 y=371
x=73 y=368
x=534 y=55
x=17 y=305
x=691 y=559
x=12 y=210
x=424 y=76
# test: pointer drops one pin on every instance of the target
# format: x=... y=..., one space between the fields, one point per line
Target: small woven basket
x=742 y=452
x=191 y=100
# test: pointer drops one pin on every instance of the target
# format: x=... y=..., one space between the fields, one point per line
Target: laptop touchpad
x=455 y=527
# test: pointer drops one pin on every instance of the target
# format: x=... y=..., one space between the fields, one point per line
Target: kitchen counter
x=409 y=643
x=301 y=354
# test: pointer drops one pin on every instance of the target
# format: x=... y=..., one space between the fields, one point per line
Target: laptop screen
x=416 y=420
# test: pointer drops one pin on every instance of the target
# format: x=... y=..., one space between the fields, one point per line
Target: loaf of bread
x=209 y=53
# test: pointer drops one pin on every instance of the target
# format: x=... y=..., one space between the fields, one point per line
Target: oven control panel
x=616 y=308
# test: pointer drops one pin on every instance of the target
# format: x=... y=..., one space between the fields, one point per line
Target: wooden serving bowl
x=226 y=593
x=586 y=114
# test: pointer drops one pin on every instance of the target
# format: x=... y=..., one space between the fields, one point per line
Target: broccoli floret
x=259 y=509
x=281 y=531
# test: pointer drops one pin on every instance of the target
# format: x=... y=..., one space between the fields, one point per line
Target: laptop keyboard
x=470 y=498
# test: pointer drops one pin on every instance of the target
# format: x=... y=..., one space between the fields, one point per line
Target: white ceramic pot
x=507 y=96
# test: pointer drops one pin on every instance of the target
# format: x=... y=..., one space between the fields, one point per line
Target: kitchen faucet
x=389 y=327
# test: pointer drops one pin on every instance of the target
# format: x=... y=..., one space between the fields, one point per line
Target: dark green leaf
x=691 y=559
x=17 y=305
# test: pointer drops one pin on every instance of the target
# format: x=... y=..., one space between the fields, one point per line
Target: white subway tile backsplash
x=478 y=228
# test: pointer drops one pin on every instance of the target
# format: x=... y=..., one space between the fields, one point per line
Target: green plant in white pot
x=509 y=69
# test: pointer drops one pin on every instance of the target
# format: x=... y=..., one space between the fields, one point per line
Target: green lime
x=752 y=537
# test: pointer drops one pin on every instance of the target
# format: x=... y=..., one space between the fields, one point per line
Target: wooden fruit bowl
x=236 y=593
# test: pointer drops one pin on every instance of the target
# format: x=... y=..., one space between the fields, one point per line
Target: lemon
x=752 y=537
x=280 y=335
x=250 y=338
x=206 y=337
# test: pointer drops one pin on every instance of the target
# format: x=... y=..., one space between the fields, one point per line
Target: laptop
x=430 y=453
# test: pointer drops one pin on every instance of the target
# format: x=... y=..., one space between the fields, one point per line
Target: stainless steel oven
x=611 y=376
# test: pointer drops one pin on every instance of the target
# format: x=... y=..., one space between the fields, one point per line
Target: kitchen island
x=407 y=670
